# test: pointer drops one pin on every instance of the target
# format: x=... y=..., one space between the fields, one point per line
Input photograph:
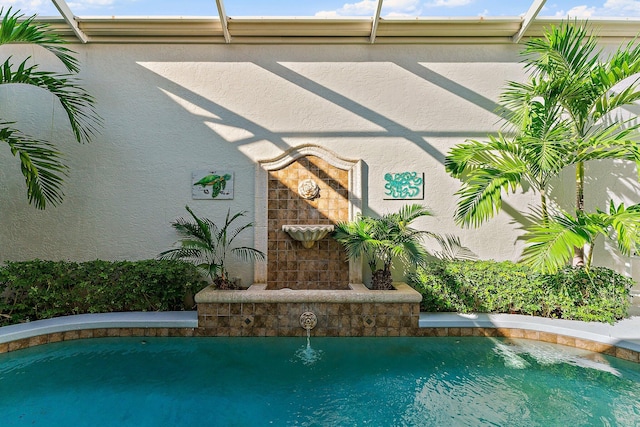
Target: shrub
x=504 y=287
x=33 y=290
x=599 y=295
x=476 y=286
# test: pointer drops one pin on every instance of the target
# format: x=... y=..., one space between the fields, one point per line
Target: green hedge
x=504 y=287
x=33 y=290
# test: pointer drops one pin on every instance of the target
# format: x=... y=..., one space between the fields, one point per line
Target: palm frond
x=516 y=98
x=355 y=237
x=568 y=49
x=618 y=140
x=609 y=101
x=78 y=104
x=495 y=153
x=488 y=168
x=481 y=194
x=464 y=157
x=451 y=249
x=202 y=226
x=40 y=164
x=180 y=253
x=189 y=230
x=231 y=235
x=519 y=98
x=625 y=223
x=625 y=62
x=40 y=161
x=406 y=215
x=245 y=253
x=16 y=28
x=235 y=232
x=550 y=243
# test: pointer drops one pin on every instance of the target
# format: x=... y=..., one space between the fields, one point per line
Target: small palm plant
x=207 y=246
x=381 y=240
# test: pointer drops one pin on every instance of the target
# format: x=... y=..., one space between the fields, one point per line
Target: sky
x=333 y=8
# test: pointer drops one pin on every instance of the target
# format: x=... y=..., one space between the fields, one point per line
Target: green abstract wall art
x=404 y=186
x=212 y=184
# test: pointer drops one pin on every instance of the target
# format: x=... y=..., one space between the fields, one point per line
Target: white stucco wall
x=172 y=109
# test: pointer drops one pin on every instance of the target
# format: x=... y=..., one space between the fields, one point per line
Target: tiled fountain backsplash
x=290 y=265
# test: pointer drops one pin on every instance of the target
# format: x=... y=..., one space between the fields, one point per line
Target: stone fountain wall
x=290 y=265
x=297 y=280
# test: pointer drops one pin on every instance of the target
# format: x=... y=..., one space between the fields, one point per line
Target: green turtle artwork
x=216 y=182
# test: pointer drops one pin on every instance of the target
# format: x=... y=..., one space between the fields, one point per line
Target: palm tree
x=569 y=73
x=560 y=117
x=40 y=161
x=207 y=245
x=487 y=168
x=381 y=240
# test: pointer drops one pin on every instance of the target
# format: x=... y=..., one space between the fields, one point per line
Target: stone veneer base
x=347 y=313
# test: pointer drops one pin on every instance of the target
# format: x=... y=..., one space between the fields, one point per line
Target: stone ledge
x=357 y=294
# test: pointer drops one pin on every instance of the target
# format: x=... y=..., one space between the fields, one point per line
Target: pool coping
x=623 y=335
x=134 y=319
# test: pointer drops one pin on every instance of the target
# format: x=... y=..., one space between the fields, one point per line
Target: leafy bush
x=504 y=287
x=33 y=290
x=599 y=295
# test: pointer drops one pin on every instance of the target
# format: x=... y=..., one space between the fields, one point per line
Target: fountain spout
x=308 y=355
x=308 y=320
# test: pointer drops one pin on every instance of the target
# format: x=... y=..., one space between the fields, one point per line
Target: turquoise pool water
x=335 y=382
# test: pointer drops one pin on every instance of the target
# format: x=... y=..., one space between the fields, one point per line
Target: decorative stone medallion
x=247 y=321
x=308 y=189
x=308 y=320
x=369 y=321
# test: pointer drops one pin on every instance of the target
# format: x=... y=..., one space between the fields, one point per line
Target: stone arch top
x=295 y=153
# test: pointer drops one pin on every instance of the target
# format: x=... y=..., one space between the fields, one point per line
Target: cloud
x=621 y=8
x=29 y=7
x=368 y=8
x=84 y=4
x=46 y=7
x=448 y=3
x=327 y=14
x=577 y=12
x=364 y=7
x=610 y=8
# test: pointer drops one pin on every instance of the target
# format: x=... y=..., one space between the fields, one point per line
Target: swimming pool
x=336 y=382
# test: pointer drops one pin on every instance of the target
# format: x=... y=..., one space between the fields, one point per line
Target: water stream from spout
x=306 y=354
